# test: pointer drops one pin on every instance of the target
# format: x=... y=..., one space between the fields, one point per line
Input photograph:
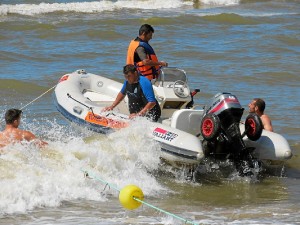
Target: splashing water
x=32 y=177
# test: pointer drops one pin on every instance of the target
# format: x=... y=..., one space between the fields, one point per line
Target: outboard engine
x=221 y=132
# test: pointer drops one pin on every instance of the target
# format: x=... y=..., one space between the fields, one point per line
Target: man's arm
x=28 y=136
x=149 y=95
x=118 y=99
x=148 y=62
x=146 y=109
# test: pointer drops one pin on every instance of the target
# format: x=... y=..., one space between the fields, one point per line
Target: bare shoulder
x=266 y=122
x=265 y=117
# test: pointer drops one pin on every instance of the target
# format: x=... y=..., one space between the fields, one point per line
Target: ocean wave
x=229 y=18
x=220 y=2
x=88 y=7
x=101 y=6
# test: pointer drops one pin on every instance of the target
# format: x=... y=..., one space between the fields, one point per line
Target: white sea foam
x=100 y=6
x=88 y=7
x=32 y=178
x=220 y=2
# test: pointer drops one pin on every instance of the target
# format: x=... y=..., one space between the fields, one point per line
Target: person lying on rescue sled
x=139 y=91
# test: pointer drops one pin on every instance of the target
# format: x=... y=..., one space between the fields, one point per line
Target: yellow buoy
x=126 y=197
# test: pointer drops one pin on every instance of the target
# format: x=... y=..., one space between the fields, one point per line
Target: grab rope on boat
x=91 y=108
x=131 y=197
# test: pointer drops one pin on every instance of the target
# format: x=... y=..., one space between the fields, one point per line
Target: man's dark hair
x=260 y=103
x=129 y=68
x=146 y=28
x=11 y=115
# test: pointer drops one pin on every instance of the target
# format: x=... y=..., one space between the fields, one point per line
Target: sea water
x=249 y=48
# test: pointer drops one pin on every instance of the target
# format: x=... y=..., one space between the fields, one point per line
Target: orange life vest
x=147 y=71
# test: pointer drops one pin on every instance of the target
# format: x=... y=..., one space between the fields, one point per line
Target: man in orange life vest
x=142 y=55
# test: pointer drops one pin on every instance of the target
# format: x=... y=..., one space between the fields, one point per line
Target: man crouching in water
x=12 y=134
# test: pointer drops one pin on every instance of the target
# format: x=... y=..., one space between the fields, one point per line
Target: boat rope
x=90 y=175
x=33 y=100
x=69 y=96
x=37 y=98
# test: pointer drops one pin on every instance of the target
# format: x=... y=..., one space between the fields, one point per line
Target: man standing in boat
x=142 y=55
x=140 y=94
x=12 y=133
x=257 y=105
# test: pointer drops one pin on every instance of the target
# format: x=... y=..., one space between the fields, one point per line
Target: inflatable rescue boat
x=186 y=135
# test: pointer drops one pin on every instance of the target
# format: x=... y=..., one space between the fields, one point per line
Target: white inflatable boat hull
x=80 y=97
